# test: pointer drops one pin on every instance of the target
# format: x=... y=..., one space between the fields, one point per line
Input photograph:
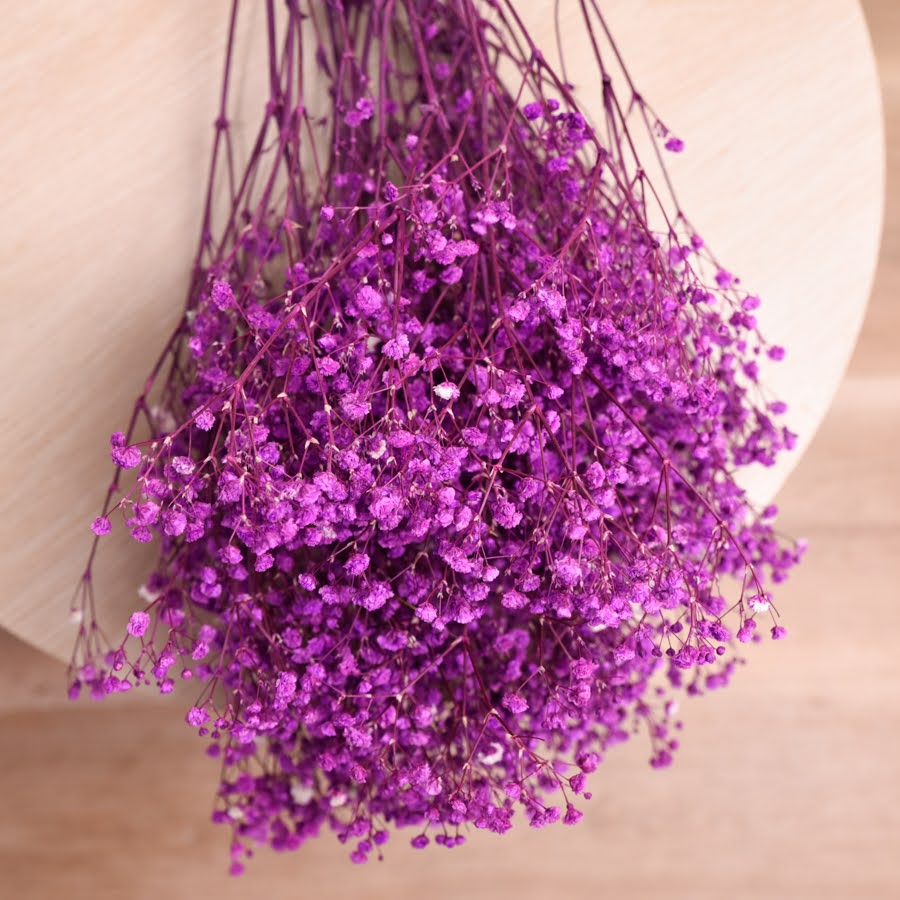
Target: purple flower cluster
x=441 y=457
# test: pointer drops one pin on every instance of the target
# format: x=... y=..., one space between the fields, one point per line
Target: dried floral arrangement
x=441 y=457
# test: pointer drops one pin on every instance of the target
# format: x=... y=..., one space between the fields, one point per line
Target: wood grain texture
x=787 y=786
x=106 y=108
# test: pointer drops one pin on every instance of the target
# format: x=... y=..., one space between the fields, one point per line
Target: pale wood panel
x=29 y=679
x=878 y=349
x=850 y=478
x=106 y=112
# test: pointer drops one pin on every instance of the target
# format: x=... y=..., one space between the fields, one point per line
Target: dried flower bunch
x=441 y=456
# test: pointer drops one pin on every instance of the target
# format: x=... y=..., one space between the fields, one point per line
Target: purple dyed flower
x=138 y=624
x=442 y=468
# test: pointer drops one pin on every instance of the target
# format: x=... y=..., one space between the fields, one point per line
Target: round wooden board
x=106 y=113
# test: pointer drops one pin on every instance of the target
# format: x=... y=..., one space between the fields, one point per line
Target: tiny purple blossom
x=368 y=300
x=222 y=295
x=101 y=525
x=122 y=456
x=138 y=624
x=204 y=419
x=183 y=465
x=197 y=716
x=360 y=113
x=174 y=522
x=397 y=348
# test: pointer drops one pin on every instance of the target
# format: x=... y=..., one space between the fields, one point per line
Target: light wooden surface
x=106 y=110
x=787 y=786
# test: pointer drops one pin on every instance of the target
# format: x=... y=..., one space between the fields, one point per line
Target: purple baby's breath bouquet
x=441 y=457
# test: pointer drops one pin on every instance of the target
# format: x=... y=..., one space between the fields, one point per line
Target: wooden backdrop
x=106 y=118
x=787 y=785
